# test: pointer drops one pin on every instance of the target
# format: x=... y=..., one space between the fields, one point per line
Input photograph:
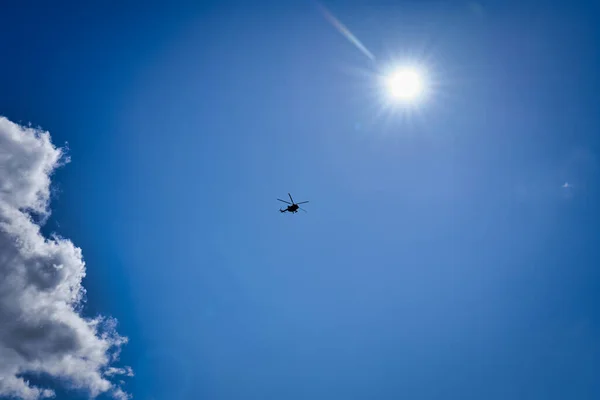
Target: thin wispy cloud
x=42 y=331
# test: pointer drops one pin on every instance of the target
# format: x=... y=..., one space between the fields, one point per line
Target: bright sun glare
x=405 y=84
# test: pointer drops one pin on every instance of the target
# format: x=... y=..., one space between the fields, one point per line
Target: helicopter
x=293 y=207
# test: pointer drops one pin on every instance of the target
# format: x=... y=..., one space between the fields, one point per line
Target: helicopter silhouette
x=293 y=207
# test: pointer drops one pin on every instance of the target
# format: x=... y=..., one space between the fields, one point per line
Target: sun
x=405 y=84
x=404 y=91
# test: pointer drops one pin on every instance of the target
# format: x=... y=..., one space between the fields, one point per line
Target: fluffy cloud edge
x=42 y=329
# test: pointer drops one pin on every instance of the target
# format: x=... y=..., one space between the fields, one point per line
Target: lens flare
x=345 y=31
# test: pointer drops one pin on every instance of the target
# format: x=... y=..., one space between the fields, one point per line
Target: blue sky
x=440 y=258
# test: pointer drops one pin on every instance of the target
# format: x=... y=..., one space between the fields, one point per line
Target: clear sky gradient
x=441 y=256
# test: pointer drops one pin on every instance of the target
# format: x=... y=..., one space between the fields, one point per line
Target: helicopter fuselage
x=293 y=208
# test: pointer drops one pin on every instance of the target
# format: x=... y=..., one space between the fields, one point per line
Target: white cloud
x=41 y=328
x=127 y=371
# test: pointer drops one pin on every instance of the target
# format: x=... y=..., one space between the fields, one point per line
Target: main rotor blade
x=286 y=202
x=302 y=209
x=291 y=197
x=302 y=202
